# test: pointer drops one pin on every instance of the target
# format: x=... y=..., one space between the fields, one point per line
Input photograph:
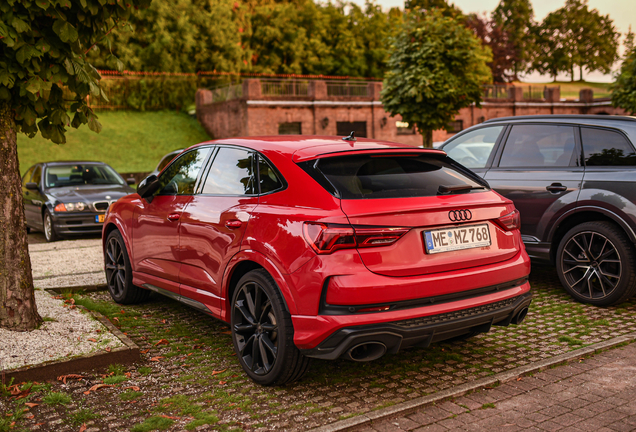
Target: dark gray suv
x=573 y=178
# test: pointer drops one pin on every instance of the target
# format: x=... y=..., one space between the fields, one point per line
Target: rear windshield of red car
x=391 y=176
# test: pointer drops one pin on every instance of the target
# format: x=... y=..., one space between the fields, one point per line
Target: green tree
x=494 y=37
x=629 y=41
x=437 y=67
x=552 y=46
x=514 y=18
x=447 y=9
x=43 y=66
x=624 y=88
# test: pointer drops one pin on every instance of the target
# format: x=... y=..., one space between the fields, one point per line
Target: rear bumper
x=423 y=326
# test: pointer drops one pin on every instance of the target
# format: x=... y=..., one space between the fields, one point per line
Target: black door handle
x=556 y=187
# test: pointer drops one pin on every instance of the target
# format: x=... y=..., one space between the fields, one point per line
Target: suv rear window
x=388 y=176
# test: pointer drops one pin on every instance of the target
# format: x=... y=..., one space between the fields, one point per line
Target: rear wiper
x=446 y=189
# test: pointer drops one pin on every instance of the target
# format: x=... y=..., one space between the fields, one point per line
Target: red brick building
x=335 y=107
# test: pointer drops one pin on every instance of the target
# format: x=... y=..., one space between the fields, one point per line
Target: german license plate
x=452 y=239
x=100 y=218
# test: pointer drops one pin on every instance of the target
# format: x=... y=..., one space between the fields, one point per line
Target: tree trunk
x=18 y=310
x=580 y=72
x=427 y=138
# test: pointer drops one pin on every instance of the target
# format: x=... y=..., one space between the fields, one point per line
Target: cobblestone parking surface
x=190 y=379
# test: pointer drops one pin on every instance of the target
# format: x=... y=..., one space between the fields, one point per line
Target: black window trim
x=503 y=142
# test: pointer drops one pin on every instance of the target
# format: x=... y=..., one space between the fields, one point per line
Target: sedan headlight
x=71 y=207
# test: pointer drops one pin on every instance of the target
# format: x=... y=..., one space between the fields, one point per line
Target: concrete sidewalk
x=595 y=394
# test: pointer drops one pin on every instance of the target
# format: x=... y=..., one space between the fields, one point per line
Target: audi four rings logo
x=460 y=215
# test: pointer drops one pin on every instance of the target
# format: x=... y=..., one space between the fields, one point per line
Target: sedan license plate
x=100 y=218
x=452 y=239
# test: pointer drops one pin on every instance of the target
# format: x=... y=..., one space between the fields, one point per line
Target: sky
x=623 y=12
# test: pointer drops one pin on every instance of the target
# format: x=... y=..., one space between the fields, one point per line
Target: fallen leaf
x=116 y=319
x=72 y=307
x=123 y=311
x=227 y=332
x=127 y=374
x=30 y=416
x=218 y=372
x=70 y=301
x=38 y=424
x=133 y=388
x=144 y=351
x=162 y=342
x=156 y=358
x=83 y=428
x=98 y=386
x=222 y=382
x=169 y=417
x=163 y=321
x=107 y=349
x=63 y=378
x=92 y=339
x=197 y=346
x=519 y=379
x=31 y=404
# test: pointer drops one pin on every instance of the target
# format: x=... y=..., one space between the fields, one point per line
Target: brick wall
x=256 y=114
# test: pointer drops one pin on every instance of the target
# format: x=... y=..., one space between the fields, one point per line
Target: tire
x=49 y=229
x=596 y=264
x=263 y=333
x=119 y=272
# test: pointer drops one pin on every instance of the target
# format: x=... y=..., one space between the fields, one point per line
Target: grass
x=130 y=395
x=117 y=369
x=153 y=423
x=55 y=398
x=115 y=379
x=81 y=416
x=130 y=141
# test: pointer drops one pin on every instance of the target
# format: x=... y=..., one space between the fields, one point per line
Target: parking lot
x=189 y=376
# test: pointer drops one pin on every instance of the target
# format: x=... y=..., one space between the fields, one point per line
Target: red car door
x=213 y=224
x=156 y=223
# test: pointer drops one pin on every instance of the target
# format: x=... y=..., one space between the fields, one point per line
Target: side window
x=232 y=173
x=181 y=176
x=268 y=178
x=27 y=176
x=539 y=146
x=37 y=175
x=473 y=148
x=606 y=148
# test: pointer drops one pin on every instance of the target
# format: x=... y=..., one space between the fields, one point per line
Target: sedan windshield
x=78 y=174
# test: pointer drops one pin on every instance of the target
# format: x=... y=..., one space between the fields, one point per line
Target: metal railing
x=348 y=89
x=496 y=91
x=534 y=92
x=289 y=88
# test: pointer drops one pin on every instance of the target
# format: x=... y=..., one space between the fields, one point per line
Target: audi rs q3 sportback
x=319 y=247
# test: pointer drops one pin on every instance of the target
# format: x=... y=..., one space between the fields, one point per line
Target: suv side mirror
x=31 y=186
x=148 y=186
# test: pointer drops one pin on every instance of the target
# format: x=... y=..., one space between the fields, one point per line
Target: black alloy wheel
x=595 y=263
x=262 y=332
x=119 y=272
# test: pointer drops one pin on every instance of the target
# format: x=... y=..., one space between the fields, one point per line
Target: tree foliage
x=437 y=66
x=44 y=50
x=514 y=19
x=575 y=36
x=495 y=38
x=624 y=88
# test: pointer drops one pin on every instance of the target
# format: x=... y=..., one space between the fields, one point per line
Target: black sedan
x=69 y=198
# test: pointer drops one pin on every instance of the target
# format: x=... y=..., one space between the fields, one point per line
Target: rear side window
x=232 y=173
x=473 y=148
x=539 y=146
x=269 y=180
x=387 y=176
x=606 y=148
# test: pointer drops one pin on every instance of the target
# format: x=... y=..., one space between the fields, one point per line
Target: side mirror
x=131 y=181
x=148 y=186
x=31 y=186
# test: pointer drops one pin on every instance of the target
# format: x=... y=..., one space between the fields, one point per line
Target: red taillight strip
x=327 y=238
x=511 y=221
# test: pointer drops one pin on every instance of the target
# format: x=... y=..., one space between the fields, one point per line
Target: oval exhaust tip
x=518 y=319
x=367 y=351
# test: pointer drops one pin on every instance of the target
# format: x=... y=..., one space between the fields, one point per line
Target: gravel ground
x=66 y=332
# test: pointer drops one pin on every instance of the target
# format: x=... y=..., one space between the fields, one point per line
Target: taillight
x=511 y=221
x=327 y=238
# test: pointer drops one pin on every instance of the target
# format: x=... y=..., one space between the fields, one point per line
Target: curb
x=77 y=288
x=129 y=353
x=409 y=407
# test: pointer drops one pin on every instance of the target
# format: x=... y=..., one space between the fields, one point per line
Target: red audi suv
x=321 y=247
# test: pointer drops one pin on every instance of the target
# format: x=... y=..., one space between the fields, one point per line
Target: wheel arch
x=111 y=225
x=581 y=215
x=241 y=264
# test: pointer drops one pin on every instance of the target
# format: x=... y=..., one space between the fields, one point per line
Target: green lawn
x=570 y=90
x=130 y=141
